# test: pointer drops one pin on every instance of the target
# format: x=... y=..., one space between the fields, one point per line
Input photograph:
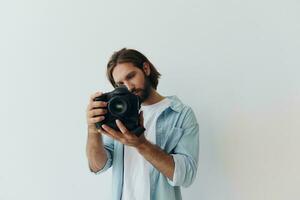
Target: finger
x=108 y=135
x=93 y=96
x=111 y=131
x=121 y=126
x=122 y=140
x=96 y=112
x=100 y=130
x=96 y=119
x=97 y=104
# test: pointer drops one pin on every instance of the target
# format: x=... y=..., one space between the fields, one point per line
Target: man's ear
x=146 y=68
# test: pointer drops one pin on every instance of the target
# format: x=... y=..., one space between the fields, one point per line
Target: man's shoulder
x=185 y=114
x=177 y=105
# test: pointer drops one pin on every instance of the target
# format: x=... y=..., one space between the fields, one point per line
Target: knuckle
x=100 y=103
x=90 y=113
x=92 y=120
x=99 y=112
x=95 y=103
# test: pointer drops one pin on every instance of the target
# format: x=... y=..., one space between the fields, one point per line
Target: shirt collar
x=175 y=103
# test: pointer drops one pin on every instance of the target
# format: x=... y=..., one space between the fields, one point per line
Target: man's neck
x=153 y=98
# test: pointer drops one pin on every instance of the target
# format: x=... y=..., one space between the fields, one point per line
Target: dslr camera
x=122 y=105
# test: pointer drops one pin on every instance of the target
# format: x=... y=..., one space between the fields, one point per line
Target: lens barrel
x=117 y=106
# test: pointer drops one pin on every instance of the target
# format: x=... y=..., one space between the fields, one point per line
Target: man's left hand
x=124 y=136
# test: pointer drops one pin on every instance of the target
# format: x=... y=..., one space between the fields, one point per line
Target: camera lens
x=117 y=106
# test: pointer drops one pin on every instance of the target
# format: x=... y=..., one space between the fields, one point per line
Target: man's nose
x=129 y=86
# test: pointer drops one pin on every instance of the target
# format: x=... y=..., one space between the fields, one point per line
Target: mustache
x=136 y=90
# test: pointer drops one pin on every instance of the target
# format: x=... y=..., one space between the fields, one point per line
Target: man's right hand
x=94 y=113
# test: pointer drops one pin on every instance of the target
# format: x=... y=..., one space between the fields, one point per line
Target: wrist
x=143 y=146
x=94 y=135
x=92 y=129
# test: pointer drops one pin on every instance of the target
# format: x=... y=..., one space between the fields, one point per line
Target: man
x=154 y=165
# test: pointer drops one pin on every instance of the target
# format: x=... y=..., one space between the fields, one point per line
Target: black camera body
x=122 y=105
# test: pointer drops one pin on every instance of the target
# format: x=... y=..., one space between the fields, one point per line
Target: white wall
x=235 y=62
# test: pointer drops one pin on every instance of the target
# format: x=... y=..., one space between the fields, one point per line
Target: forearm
x=95 y=151
x=162 y=161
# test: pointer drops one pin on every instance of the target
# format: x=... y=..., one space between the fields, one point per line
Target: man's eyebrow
x=127 y=76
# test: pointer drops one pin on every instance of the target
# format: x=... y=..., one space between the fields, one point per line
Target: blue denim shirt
x=177 y=133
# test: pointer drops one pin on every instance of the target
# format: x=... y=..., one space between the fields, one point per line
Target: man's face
x=133 y=78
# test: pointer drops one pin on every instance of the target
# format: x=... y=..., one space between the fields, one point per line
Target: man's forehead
x=120 y=71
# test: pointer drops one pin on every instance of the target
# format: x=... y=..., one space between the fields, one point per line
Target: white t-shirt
x=136 y=183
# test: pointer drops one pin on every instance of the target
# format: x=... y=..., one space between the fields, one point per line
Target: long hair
x=137 y=59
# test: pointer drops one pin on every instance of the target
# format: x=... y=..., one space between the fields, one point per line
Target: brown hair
x=137 y=59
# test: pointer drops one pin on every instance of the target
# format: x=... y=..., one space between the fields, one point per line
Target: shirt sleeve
x=109 y=148
x=186 y=153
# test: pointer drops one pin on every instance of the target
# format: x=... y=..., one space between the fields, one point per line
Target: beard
x=144 y=92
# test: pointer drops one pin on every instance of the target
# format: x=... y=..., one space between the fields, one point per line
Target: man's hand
x=95 y=112
x=124 y=135
x=155 y=155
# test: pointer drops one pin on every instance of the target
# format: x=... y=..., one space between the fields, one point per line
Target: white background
x=236 y=63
